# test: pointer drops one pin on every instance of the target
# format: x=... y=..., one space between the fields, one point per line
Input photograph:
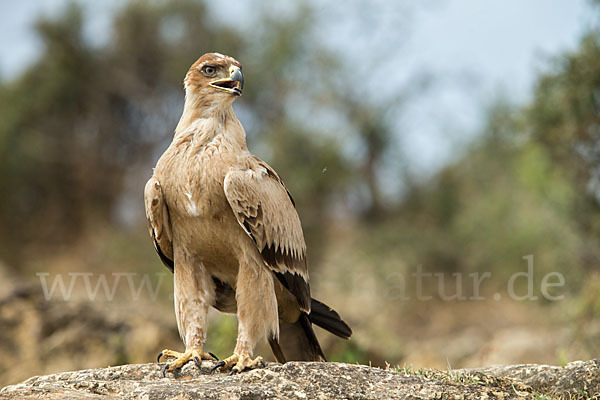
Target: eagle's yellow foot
x=193 y=353
x=238 y=363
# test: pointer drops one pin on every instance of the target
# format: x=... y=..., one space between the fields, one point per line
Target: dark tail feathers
x=298 y=342
x=327 y=318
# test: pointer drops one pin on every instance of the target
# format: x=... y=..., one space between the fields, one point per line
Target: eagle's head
x=216 y=77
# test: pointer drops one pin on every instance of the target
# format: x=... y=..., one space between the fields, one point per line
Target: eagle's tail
x=327 y=318
x=297 y=340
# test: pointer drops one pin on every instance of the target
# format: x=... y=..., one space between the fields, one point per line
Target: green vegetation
x=478 y=379
x=442 y=375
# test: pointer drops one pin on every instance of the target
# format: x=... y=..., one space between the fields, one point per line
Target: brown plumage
x=223 y=221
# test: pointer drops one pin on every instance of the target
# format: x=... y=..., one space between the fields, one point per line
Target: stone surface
x=579 y=378
x=313 y=381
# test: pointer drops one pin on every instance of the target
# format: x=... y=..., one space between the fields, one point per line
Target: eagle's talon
x=191 y=354
x=164 y=370
x=239 y=363
x=217 y=366
x=213 y=356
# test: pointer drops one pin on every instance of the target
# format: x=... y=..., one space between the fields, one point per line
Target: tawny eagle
x=224 y=223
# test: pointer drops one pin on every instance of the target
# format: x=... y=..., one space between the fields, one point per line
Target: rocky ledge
x=294 y=380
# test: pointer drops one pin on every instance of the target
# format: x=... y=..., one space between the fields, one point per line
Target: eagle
x=224 y=223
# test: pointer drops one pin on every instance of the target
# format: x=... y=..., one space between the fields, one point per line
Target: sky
x=474 y=49
x=483 y=49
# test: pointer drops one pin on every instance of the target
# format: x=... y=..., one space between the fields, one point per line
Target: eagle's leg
x=194 y=291
x=257 y=315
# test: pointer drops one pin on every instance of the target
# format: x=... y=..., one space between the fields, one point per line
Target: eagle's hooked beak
x=234 y=84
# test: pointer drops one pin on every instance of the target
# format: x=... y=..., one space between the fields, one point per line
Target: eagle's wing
x=159 y=224
x=265 y=210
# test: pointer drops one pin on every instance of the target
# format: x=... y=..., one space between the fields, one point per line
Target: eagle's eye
x=209 y=70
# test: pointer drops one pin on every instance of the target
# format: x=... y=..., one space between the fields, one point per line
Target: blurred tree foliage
x=530 y=184
x=82 y=119
x=81 y=128
x=565 y=120
x=84 y=122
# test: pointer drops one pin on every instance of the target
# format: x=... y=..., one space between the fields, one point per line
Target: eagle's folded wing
x=159 y=224
x=265 y=210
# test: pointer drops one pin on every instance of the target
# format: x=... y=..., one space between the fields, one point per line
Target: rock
x=575 y=379
x=297 y=380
